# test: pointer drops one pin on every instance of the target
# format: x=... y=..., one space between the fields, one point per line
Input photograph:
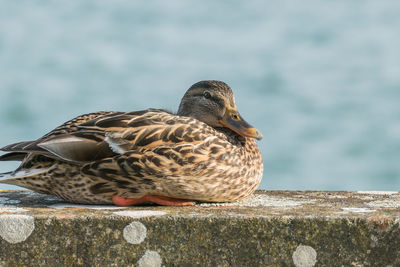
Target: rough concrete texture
x=271 y=228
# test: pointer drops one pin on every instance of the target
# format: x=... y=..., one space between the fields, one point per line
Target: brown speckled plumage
x=150 y=152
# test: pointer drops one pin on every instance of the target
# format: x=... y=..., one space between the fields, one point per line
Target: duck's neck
x=232 y=136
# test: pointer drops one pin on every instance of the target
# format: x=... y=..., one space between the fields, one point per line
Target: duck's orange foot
x=160 y=200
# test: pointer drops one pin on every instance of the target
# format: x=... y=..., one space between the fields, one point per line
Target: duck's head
x=213 y=102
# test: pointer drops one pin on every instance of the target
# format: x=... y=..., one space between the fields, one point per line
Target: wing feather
x=54 y=144
x=102 y=135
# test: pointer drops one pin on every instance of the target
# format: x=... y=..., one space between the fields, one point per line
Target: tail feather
x=31 y=179
x=16 y=146
x=5 y=176
x=13 y=156
x=15 y=177
x=26 y=146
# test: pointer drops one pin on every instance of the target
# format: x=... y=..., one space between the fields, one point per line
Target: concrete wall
x=271 y=228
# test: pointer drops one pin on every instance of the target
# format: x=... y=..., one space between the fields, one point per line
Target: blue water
x=320 y=79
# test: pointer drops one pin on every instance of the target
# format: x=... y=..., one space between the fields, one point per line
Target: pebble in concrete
x=150 y=259
x=304 y=256
x=16 y=228
x=135 y=233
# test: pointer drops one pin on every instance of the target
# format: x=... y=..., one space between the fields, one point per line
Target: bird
x=205 y=152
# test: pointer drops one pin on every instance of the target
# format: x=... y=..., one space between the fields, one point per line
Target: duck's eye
x=207 y=94
x=235 y=117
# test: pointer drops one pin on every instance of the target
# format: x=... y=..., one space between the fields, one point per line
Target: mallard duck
x=205 y=152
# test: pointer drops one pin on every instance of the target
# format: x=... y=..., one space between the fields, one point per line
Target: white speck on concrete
x=80 y=206
x=358 y=210
x=263 y=200
x=304 y=256
x=135 y=233
x=139 y=213
x=150 y=259
x=386 y=203
x=11 y=209
x=16 y=228
x=374 y=241
x=378 y=192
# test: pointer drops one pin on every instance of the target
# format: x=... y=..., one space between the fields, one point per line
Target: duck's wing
x=18 y=151
x=13 y=156
x=73 y=125
x=147 y=129
x=106 y=135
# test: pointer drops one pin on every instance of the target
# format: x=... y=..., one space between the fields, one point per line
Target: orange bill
x=235 y=122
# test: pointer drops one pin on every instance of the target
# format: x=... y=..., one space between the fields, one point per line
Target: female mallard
x=205 y=152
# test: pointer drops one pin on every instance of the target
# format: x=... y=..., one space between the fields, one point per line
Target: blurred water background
x=320 y=79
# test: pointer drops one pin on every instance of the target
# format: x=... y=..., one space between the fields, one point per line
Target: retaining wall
x=271 y=228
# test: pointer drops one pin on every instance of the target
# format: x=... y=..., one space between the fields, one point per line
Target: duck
x=205 y=152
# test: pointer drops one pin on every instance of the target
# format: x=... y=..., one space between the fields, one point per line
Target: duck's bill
x=235 y=122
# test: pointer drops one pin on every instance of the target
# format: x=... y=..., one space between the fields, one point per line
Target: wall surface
x=271 y=228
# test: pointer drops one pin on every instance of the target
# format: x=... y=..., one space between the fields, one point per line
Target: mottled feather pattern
x=96 y=156
x=72 y=125
x=190 y=149
x=68 y=127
